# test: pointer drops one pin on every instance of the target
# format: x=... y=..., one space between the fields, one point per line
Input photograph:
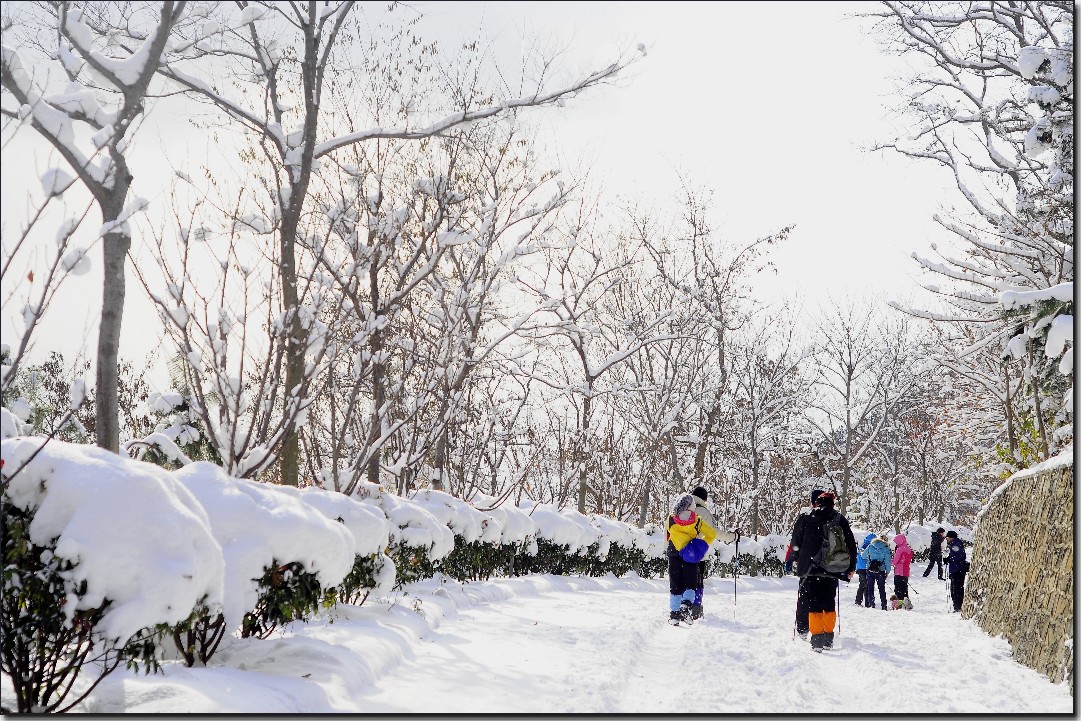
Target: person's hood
x=867 y=541
x=900 y=540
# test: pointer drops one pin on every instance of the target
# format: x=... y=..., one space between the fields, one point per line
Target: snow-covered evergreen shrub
x=282 y=554
x=417 y=541
x=479 y=560
x=103 y=556
x=373 y=569
x=287 y=593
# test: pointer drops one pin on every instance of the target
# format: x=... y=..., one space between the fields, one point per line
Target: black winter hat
x=815 y=494
x=940 y=530
x=951 y=534
x=701 y=493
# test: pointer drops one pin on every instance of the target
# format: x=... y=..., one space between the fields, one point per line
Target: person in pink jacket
x=902 y=560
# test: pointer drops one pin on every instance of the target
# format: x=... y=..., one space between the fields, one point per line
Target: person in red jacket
x=902 y=564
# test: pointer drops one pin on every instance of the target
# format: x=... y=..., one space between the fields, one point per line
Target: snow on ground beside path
x=551 y=644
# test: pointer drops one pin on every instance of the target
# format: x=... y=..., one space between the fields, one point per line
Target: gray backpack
x=833 y=556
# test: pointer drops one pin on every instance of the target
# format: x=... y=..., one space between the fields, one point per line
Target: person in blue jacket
x=861 y=568
x=878 y=567
x=957 y=566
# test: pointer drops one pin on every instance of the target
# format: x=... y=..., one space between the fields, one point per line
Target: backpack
x=875 y=565
x=833 y=555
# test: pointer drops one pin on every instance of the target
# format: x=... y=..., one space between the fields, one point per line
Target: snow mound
x=137 y=537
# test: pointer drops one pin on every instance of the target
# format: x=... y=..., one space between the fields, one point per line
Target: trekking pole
x=795 y=619
x=837 y=602
x=735 y=570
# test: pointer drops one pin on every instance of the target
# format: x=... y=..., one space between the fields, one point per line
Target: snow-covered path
x=551 y=644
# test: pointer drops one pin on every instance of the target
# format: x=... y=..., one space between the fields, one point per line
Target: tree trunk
x=583 y=484
x=1011 y=432
x=294 y=347
x=115 y=246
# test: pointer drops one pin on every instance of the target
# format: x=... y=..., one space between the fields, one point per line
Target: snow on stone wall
x=1021 y=582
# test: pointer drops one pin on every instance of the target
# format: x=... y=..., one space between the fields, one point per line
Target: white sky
x=769 y=104
x=548 y=644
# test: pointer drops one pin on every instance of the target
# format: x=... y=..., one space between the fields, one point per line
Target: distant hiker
x=700 y=497
x=802 y=627
x=957 y=565
x=861 y=567
x=936 y=553
x=827 y=552
x=902 y=564
x=788 y=560
x=685 y=531
x=878 y=567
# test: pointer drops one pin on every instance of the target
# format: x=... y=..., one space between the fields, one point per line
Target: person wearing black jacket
x=821 y=585
x=936 y=553
x=957 y=565
x=801 y=596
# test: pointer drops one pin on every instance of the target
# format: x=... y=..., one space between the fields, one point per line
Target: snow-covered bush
x=102 y=556
x=281 y=554
x=417 y=539
x=373 y=569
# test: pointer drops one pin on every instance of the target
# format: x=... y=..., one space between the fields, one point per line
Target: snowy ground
x=552 y=644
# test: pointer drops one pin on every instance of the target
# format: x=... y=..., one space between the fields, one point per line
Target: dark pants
x=957 y=589
x=875 y=578
x=900 y=586
x=801 y=607
x=934 y=560
x=682 y=576
x=860 y=589
x=821 y=609
x=700 y=584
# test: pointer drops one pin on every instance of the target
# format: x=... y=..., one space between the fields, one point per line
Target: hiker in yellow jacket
x=689 y=537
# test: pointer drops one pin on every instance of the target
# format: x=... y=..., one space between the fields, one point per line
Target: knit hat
x=825 y=500
x=701 y=493
x=940 y=530
x=815 y=494
x=951 y=534
x=683 y=504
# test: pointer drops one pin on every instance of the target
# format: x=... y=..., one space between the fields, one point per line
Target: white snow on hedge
x=410 y=524
x=136 y=536
x=462 y=519
x=11 y=425
x=611 y=531
x=371 y=532
x=259 y=524
x=515 y=525
x=567 y=528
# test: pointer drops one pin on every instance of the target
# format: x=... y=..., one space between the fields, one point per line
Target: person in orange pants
x=821 y=565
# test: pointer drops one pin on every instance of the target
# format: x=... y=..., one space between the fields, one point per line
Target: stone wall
x=1021 y=583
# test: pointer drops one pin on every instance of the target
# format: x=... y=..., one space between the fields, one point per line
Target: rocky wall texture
x=1021 y=582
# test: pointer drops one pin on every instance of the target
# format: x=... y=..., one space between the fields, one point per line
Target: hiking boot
x=696 y=611
x=673 y=618
x=818 y=641
x=802 y=635
x=829 y=640
x=685 y=614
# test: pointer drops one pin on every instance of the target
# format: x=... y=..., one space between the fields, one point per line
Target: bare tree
x=277 y=88
x=108 y=87
x=992 y=103
x=857 y=381
x=772 y=380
